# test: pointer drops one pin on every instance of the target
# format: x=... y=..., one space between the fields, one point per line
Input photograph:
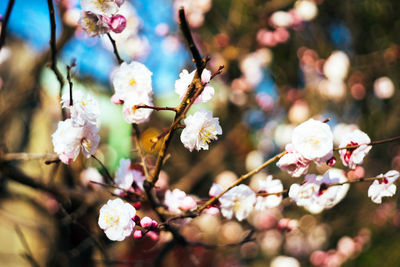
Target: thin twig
x=241 y=179
x=5 y=22
x=120 y=60
x=378 y=142
x=53 y=63
x=155 y=108
x=108 y=175
x=69 y=67
x=115 y=187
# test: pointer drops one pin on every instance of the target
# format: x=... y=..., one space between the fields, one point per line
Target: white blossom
x=93 y=24
x=177 y=201
x=201 y=128
x=306 y=9
x=336 y=67
x=315 y=196
x=116 y=219
x=238 y=201
x=384 y=187
x=352 y=157
x=293 y=163
x=137 y=115
x=131 y=80
x=185 y=79
x=68 y=140
x=269 y=185
x=126 y=177
x=313 y=140
x=100 y=7
x=85 y=109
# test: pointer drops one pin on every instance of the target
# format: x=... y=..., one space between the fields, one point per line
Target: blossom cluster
x=79 y=133
x=100 y=16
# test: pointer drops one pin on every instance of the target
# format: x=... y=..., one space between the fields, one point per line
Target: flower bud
x=117 y=23
x=146 y=222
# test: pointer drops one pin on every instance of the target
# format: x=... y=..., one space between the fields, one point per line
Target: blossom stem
x=108 y=175
x=69 y=67
x=241 y=179
x=116 y=53
x=53 y=63
x=219 y=71
x=115 y=187
x=388 y=140
x=357 y=181
x=156 y=108
x=5 y=22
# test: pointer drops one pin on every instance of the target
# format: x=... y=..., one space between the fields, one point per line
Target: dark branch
x=120 y=61
x=5 y=22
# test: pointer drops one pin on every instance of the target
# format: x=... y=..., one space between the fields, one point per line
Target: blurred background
x=285 y=62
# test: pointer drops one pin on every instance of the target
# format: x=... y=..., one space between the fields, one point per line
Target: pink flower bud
x=154 y=224
x=115 y=100
x=205 y=76
x=212 y=211
x=289 y=148
x=331 y=162
x=153 y=235
x=117 y=23
x=146 y=222
x=137 y=205
x=136 y=219
x=137 y=234
x=65 y=159
x=188 y=203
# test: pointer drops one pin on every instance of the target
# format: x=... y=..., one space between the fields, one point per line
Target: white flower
x=93 y=24
x=201 y=128
x=336 y=67
x=384 y=187
x=125 y=177
x=116 y=219
x=137 y=115
x=306 y=9
x=177 y=201
x=215 y=190
x=68 y=140
x=85 y=109
x=100 y=7
x=132 y=78
x=268 y=185
x=238 y=201
x=315 y=196
x=354 y=156
x=294 y=164
x=313 y=140
x=185 y=79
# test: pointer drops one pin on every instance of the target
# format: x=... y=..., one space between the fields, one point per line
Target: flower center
x=206 y=134
x=132 y=82
x=111 y=221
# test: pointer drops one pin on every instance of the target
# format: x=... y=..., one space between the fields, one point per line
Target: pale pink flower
x=85 y=108
x=116 y=219
x=215 y=190
x=201 y=128
x=313 y=140
x=117 y=23
x=352 y=157
x=93 y=24
x=185 y=79
x=294 y=163
x=238 y=202
x=137 y=115
x=100 y=7
x=177 y=201
x=126 y=177
x=269 y=185
x=384 y=187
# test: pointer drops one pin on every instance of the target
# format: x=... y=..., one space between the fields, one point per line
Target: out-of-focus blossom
x=384 y=88
x=185 y=79
x=337 y=66
x=286 y=261
x=126 y=177
x=313 y=140
x=306 y=9
x=131 y=80
x=254 y=159
x=194 y=10
x=116 y=219
x=252 y=65
x=238 y=202
x=352 y=157
x=201 y=128
x=91 y=174
x=384 y=187
x=85 y=109
x=269 y=185
x=137 y=115
x=68 y=140
x=281 y=19
x=332 y=89
x=93 y=24
x=315 y=195
x=299 y=112
x=177 y=201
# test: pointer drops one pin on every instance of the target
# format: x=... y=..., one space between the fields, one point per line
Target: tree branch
x=5 y=22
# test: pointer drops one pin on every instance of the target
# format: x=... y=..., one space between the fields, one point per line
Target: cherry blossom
x=116 y=219
x=238 y=202
x=352 y=157
x=100 y=7
x=201 y=128
x=269 y=185
x=384 y=187
x=132 y=80
x=137 y=115
x=85 y=108
x=68 y=140
x=313 y=140
x=294 y=163
x=93 y=24
x=177 y=201
x=126 y=177
x=185 y=79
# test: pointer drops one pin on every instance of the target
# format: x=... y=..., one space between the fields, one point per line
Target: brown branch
x=27 y=156
x=378 y=142
x=241 y=179
x=53 y=63
x=114 y=45
x=5 y=22
x=155 y=108
x=69 y=67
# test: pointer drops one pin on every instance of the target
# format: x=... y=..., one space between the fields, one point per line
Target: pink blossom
x=384 y=187
x=293 y=163
x=146 y=222
x=117 y=23
x=352 y=157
